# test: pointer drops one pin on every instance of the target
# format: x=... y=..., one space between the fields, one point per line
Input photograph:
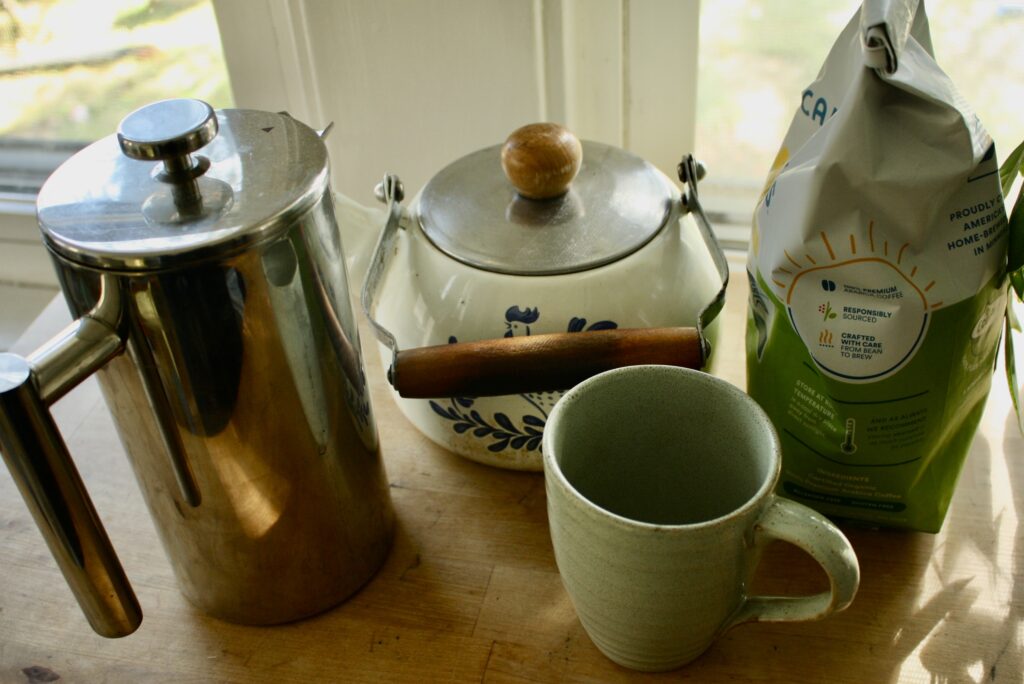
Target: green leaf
x=1011 y=368
x=1015 y=250
x=1013 y=165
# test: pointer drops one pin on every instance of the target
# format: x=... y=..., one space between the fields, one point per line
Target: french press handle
x=41 y=466
x=30 y=440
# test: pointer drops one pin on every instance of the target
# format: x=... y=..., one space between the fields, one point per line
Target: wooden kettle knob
x=541 y=160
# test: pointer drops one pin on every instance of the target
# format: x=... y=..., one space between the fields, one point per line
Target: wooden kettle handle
x=536 y=363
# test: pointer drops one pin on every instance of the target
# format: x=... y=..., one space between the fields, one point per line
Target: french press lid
x=179 y=183
x=533 y=207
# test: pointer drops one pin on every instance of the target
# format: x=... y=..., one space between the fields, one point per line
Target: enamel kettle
x=211 y=297
x=479 y=288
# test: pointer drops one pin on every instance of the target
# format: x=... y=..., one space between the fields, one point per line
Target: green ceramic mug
x=660 y=488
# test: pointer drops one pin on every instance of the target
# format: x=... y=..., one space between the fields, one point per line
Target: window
x=71 y=69
x=757 y=56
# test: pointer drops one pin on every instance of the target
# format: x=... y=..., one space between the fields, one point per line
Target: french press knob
x=143 y=135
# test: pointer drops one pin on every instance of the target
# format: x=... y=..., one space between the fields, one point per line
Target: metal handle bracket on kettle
x=690 y=172
x=538 y=362
x=38 y=460
x=390 y=191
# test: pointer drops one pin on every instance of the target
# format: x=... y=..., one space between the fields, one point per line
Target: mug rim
x=552 y=468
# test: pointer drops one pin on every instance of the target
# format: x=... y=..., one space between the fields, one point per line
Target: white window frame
x=24 y=165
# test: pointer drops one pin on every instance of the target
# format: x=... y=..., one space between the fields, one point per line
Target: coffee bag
x=877 y=272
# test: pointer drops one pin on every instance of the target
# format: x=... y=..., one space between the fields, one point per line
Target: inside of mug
x=663 y=445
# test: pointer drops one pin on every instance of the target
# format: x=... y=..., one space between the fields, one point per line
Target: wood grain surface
x=470 y=592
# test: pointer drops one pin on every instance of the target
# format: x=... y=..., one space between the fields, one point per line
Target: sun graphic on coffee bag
x=860 y=309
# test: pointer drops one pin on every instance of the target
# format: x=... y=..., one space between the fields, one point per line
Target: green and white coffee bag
x=878 y=279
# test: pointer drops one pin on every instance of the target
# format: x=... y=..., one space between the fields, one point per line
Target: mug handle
x=792 y=522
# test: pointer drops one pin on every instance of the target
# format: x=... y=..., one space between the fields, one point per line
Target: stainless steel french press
x=206 y=277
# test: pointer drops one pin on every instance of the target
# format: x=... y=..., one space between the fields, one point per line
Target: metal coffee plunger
x=210 y=295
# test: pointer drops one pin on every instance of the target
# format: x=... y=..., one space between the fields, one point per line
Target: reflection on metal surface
x=236 y=388
x=289 y=307
x=49 y=482
x=546 y=214
x=241 y=397
x=257 y=495
x=207 y=198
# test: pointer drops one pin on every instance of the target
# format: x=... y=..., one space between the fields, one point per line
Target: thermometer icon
x=848 y=446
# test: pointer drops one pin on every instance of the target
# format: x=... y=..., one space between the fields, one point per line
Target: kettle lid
x=545 y=203
x=180 y=182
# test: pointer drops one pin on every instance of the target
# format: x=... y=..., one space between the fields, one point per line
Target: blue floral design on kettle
x=500 y=429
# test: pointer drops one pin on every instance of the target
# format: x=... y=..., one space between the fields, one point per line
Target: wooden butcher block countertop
x=470 y=591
